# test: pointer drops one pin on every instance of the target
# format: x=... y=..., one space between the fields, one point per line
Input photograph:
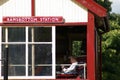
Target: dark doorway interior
x=70 y=40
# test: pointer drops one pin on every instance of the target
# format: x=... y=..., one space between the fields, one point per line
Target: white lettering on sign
x=33 y=19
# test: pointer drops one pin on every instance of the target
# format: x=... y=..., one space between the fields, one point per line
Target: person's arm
x=72 y=67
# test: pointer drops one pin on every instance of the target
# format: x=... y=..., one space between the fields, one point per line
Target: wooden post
x=90 y=47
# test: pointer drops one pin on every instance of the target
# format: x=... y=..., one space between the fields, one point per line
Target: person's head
x=72 y=59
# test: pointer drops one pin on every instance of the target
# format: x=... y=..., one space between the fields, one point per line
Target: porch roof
x=97 y=10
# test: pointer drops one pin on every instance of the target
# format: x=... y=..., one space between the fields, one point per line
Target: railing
x=84 y=66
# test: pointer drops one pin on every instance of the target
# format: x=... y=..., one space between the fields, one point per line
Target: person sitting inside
x=72 y=68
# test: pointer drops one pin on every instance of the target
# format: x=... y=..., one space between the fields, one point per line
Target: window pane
x=16 y=53
x=16 y=59
x=40 y=34
x=16 y=34
x=41 y=70
x=15 y=70
x=43 y=56
x=42 y=52
x=3 y=34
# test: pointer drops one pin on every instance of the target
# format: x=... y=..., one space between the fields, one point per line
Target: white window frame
x=26 y=54
x=0 y=48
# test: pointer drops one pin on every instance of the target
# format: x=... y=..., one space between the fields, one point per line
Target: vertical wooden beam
x=90 y=47
x=32 y=7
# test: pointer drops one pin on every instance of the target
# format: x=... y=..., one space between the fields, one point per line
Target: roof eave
x=97 y=10
x=93 y=7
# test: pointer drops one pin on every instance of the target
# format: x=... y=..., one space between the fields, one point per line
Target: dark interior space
x=70 y=40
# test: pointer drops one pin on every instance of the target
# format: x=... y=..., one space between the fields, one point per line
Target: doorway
x=70 y=40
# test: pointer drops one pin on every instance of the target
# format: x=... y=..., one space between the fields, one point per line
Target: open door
x=70 y=40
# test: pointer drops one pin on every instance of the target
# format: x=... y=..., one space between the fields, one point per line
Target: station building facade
x=40 y=35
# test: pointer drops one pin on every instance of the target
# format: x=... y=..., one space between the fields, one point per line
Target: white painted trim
x=28 y=43
x=33 y=55
x=0 y=49
x=29 y=77
x=53 y=52
x=26 y=53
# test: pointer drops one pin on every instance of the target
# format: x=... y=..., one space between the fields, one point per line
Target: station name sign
x=36 y=19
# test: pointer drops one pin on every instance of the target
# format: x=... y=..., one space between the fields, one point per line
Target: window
x=31 y=51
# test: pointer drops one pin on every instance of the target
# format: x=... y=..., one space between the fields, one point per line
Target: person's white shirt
x=71 y=68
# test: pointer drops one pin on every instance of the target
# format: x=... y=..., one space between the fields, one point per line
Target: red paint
x=45 y=19
x=90 y=47
x=44 y=24
x=93 y=7
x=32 y=7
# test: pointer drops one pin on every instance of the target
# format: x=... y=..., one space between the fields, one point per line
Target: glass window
x=42 y=56
x=41 y=34
x=14 y=34
x=16 y=59
x=30 y=51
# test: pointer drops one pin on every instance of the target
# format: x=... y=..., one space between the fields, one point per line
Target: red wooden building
x=41 y=34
